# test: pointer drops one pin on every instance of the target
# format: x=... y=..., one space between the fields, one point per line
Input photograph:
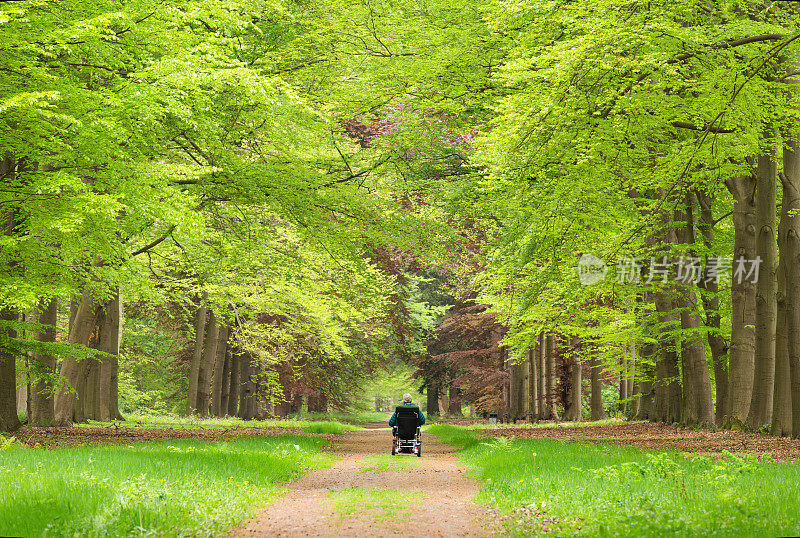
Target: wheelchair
x=406 y=434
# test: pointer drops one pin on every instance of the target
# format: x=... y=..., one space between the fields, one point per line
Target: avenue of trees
x=317 y=190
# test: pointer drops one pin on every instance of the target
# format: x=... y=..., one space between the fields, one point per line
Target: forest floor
x=371 y=493
x=635 y=434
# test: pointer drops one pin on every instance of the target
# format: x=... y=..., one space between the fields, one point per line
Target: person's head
x=406 y=398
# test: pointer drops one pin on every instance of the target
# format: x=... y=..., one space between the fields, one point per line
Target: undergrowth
x=608 y=490
x=174 y=488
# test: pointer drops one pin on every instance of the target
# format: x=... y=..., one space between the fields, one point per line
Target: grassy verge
x=172 y=421
x=176 y=488
x=607 y=490
x=333 y=426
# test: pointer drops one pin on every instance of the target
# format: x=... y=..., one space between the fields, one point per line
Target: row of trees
x=175 y=151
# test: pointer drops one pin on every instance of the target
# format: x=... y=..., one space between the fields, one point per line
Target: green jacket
x=393 y=420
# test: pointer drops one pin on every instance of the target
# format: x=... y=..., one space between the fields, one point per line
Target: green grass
x=334 y=427
x=381 y=463
x=174 y=488
x=607 y=490
x=296 y=421
x=383 y=504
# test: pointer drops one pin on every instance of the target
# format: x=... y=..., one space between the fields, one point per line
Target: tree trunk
x=219 y=365
x=782 y=401
x=544 y=385
x=790 y=251
x=226 y=383
x=766 y=306
x=67 y=407
x=454 y=406
x=698 y=407
x=534 y=382
x=646 y=401
x=207 y=366
x=236 y=370
x=623 y=383
x=573 y=411
x=432 y=395
x=668 y=397
x=44 y=368
x=716 y=342
x=552 y=377
x=109 y=364
x=516 y=379
x=598 y=412
x=9 y=421
x=632 y=379
x=247 y=408
x=741 y=359
x=113 y=360
x=197 y=355
x=318 y=403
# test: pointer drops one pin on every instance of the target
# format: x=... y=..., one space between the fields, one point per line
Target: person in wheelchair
x=405 y=423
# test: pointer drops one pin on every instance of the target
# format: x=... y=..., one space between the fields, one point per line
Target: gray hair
x=406 y=398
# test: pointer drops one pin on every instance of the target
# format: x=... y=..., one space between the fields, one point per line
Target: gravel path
x=447 y=509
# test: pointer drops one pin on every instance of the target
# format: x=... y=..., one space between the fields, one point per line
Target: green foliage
x=610 y=490
x=149 y=375
x=181 y=487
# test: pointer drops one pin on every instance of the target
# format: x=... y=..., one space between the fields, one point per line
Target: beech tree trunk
x=623 y=382
x=534 y=381
x=113 y=360
x=318 y=403
x=9 y=421
x=44 y=368
x=72 y=370
x=244 y=387
x=454 y=405
x=766 y=305
x=432 y=398
x=226 y=383
x=551 y=377
x=646 y=401
x=236 y=370
x=197 y=355
x=219 y=365
x=573 y=411
x=741 y=355
x=698 y=407
x=207 y=366
x=544 y=387
x=668 y=397
x=782 y=401
x=632 y=378
x=717 y=343
x=108 y=393
x=790 y=251
x=598 y=412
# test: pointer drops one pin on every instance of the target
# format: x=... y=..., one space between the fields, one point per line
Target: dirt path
x=445 y=510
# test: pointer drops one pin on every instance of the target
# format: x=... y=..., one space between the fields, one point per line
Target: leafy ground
x=645 y=435
x=144 y=429
x=180 y=487
x=583 y=487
